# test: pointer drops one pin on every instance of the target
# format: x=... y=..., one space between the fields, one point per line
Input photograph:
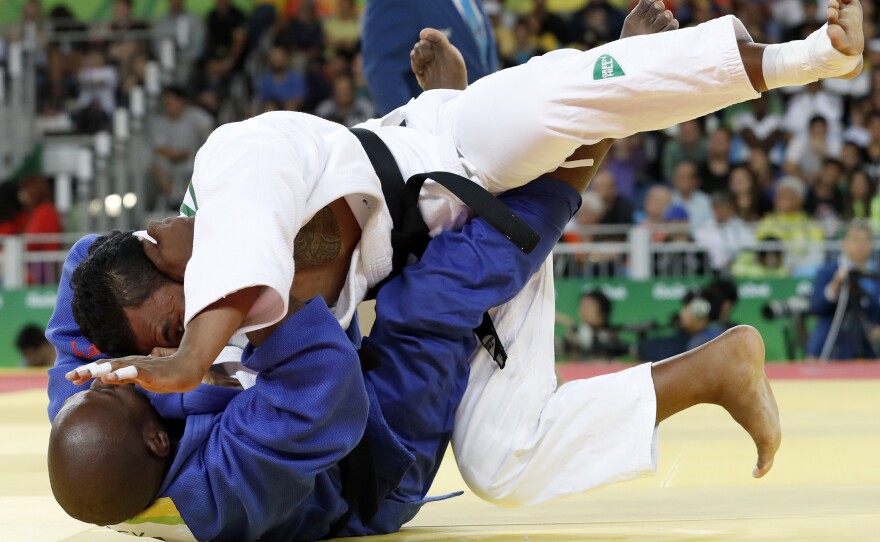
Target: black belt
x=410 y=235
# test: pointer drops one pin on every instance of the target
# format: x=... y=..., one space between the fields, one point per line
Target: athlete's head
x=122 y=303
x=108 y=453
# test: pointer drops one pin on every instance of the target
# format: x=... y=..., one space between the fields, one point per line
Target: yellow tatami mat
x=825 y=484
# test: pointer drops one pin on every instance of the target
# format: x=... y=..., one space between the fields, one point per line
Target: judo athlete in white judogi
x=279 y=169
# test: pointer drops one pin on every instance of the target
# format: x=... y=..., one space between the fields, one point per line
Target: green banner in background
x=17 y=309
x=657 y=300
x=633 y=302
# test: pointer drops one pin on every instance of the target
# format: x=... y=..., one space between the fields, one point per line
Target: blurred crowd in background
x=756 y=187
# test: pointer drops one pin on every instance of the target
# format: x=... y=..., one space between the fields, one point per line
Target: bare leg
x=728 y=372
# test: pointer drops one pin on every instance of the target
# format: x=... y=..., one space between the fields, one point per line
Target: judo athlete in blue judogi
x=316 y=447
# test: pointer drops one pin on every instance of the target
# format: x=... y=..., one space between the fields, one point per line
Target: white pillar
x=13 y=262
x=639 y=238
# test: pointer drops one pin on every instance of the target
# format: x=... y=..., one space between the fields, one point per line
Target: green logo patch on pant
x=606 y=68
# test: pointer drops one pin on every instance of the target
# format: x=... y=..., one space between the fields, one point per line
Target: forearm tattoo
x=317 y=242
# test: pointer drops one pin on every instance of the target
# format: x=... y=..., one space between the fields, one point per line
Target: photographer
x=846 y=301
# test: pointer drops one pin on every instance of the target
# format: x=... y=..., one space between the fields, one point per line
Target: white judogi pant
x=518 y=440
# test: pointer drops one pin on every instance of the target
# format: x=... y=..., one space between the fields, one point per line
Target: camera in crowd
x=855 y=276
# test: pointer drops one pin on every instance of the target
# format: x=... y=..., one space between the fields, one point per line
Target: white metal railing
x=34 y=259
x=38 y=258
x=643 y=256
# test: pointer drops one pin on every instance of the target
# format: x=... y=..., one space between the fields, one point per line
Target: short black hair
x=178 y=91
x=114 y=276
x=724 y=197
x=30 y=336
x=602 y=300
x=726 y=288
x=818 y=119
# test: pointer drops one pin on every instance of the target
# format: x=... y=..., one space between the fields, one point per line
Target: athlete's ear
x=158 y=442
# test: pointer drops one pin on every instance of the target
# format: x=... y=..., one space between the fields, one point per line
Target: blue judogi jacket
x=268 y=466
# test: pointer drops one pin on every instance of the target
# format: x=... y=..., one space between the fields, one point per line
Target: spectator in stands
x=343 y=30
x=591 y=336
x=716 y=169
x=806 y=152
x=687 y=193
x=763 y=170
x=597 y=23
x=726 y=234
x=35 y=350
x=812 y=102
x=618 y=210
x=788 y=221
x=852 y=157
x=749 y=200
x=212 y=83
x=35 y=196
x=758 y=125
x=689 y=146
x=304 y=33
x=764 y=260
x=872 y=151
x=578 y=230
x=177 y=135
x=857 y=131
x=12 y=217
x=280 y=83
x=853 y=273
x=345 y=107
x=187 y=30
x=127 y=49
x=64 y=55
x=226 y=39
x=671 y=261
x=862 y=201
x=657 y=203
x=391 y=27
x=628 y=163
x=550 y=23
x=32 y=18
x=525 y=44
x=264 y=16
x=98 y=81
x=828 y=196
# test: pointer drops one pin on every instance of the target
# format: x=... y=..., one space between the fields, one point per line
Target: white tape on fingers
x=142 y=234
x=101 y=369
x=126 y=372
x=86 y=369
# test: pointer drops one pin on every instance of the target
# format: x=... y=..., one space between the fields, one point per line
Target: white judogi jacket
x=257 y=182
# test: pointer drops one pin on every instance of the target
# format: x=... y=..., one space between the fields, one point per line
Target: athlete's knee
x=490 y=482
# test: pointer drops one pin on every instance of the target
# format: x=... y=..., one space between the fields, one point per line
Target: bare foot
x=745 y=393
x=846 y=31
x=648 y=17
x=437 y=63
